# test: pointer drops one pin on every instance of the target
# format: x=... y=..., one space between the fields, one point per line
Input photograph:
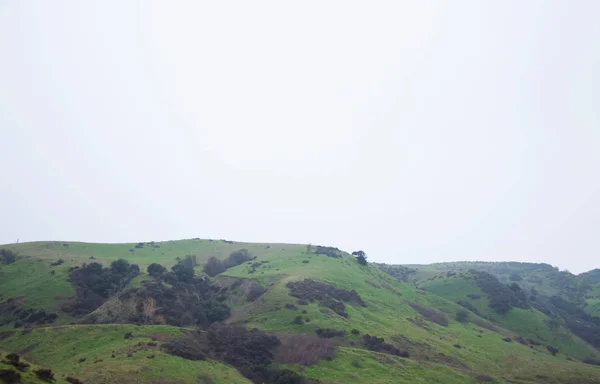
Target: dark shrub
x=94 y=284
x=298 y=320
x=484 y=379
x=128 y=335
x=57 y=262
x=73 y=380
x=44 y=374
x=329 y=333
x=515 y=277
x=15 y=360
x=255 y=292
x=7 y=256
x=462 y=315
x=327 y=295
x=9 y=376
x=552 y=350
x=507 y=339
x=213 y=266
x=355 y=332
x=474 y=296
x=378 y=344
x=188 y=348
x=305 y=261
x=291 y=306
x=286 y=376
x=372 y=284
x=328 y=251
x=183 y=272
x=303 y=349
x=238 y=257
x=361 y=257
x=502 y=298
x=156 y=270
x=431 y=314
x=591 y=361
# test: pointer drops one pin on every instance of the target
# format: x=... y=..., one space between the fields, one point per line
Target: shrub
x=291 y=306
x=484 y=379
x=15 y=360
x=431 y=314
x=188 y=348
x=213 y=266
x=73 y=380
x=328 y=251
x=298 y=320
x=474 y=296
x=303 y=349
x=462 y=315
x=57 y=262
x=328 y=295
x=7 y=256
x=44 y=374
x=378 y=344
x=156 y=270
x=9 y=376
x=515 y=277
x=255 y=292
x=329 y=333
x=355 y=332
x=552 y=350
x=361 y=257
x=128 y=335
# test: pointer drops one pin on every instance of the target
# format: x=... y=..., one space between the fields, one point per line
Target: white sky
x=417 y=131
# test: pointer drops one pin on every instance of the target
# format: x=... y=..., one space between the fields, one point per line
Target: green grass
x=388 y=314
x=61 y=348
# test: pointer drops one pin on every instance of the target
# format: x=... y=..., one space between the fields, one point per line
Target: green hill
x=317 y=314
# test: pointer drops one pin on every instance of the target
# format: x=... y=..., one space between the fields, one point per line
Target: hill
x=226 y=312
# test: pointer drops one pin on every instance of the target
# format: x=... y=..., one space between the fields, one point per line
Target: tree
x=462 y=315
x=184 y=273
x=156 y=270
x=213 y=266
x=361 y=257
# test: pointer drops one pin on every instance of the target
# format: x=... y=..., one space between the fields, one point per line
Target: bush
x=73 y=380
x=44 y=374
x=355 y=332
x=9 y=376
x=431 y=314
x=462 y=315
x=329 y=333
x=298 y=320
x=291 y=306
x=552 y=350
x=156 y=270
x=515 y=277
x=328 y=251
x=213 y=266
x=328 y=295
x=361 y=257
x=187 y=348
x=303 y=349
x=57 y=262
x=255 y=292
x=378 y=344
x=7 y=256
x=15 y=360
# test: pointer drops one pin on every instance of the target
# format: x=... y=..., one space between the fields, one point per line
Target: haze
x=418 y=131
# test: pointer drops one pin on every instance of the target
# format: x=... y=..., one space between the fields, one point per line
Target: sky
x=418 y=131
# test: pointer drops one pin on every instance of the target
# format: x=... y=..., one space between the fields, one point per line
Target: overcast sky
x=417 y=131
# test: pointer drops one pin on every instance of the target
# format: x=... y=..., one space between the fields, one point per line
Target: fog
x=417 y=131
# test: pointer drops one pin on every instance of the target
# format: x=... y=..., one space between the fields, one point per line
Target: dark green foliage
x=397 y=271
x=9 y=376
x=184 y=304
x=361 y=257
x=378 y=344
x=468 y=306
x=285 y=376
x=327 y=295
x=552 y=350
x=128 y=335
x=515 y=277
x=45 y=374
x=255 y=292
x=298 y=320
x=215 y=266
x=355 y=332
x=57 y=262
x=462 y=315
x=156 y=270
x=328 y=251
x=7 y=256
x=73 y=380
x=184 y=273
x=15 y=360
x=431 y=314
x=94 y=284
x=291 y=307
x=188 y=348
x=328 y=333
x=502 y=298
x=31 y=315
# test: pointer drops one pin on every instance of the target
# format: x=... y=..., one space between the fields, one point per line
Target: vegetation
x=284 y=313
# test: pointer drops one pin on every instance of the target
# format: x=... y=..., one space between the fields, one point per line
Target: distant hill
x=217 y=311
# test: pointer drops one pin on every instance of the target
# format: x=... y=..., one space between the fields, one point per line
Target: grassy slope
x=387 y=314
x=529 y=323
x=62 y=347
x=28 y=376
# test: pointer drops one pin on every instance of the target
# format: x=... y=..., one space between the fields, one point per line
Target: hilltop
x=218 y=311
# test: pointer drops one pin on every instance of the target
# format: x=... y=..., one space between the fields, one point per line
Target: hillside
x=276 y=313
